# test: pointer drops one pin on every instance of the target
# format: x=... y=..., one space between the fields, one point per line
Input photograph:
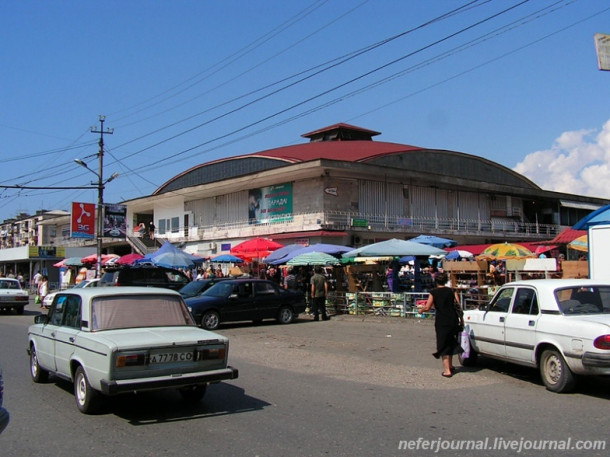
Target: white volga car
x=560 y=326
x=111 y=340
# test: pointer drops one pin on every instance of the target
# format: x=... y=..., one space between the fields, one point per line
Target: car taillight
x=130 y=360
x=211 y=354
x=602 y=342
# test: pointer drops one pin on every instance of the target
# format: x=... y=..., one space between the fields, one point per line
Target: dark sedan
x=235 y=300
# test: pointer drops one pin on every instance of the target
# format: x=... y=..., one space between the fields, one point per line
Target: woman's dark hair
x=441 y=279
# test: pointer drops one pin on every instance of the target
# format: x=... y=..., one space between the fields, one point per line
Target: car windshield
x=128 y=311
x=584 y=300
x=193 y=288
x=220 y=289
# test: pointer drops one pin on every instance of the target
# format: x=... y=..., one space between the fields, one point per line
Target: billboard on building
x=602 y=47
x=82 y=222
x=270 y=204
x=115 y=221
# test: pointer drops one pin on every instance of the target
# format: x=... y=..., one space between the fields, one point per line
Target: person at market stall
x=290 y=280
x=319 y=290
x=447 y=323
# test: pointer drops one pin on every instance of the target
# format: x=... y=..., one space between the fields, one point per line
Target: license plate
x=172 y=357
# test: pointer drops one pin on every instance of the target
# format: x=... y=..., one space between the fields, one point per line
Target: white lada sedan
x=111 y=340
x=560 y=326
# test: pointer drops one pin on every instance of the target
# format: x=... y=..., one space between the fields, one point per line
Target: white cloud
x=577 y=163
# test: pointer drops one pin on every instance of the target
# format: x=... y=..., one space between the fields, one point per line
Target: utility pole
x=100 y=193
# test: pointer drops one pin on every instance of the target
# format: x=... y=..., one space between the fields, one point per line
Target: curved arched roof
x=409 y=158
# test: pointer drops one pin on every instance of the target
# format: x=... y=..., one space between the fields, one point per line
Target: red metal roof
x=349 y=151
x=567 y=236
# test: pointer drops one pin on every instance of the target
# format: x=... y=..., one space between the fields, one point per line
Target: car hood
x=157 y=336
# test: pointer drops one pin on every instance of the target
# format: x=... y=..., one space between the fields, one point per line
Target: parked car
x=4 y=415
x=197 y=287
x=111 y=340
x=245 y=300
x=12 y=296
x=560 y=326
x=48 y=300
x=145 y=276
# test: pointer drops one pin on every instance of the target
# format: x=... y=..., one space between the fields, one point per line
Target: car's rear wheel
x=38 y=373
x=285 y=315
x=193 y=393
x=210 y=320
x=87 y=398
x=469 y=361
x=555 y=373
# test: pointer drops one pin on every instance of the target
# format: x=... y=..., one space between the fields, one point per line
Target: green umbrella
x=313 y=258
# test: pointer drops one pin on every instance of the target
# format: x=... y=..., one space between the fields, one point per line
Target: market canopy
x=313 y=258
x=435 y=241
x=395 y=248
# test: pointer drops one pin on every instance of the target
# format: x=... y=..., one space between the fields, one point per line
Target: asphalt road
x=351 y=386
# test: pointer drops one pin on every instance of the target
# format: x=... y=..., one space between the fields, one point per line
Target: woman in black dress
x=447 y=323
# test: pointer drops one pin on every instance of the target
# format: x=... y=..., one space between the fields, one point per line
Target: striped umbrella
x=313 y=258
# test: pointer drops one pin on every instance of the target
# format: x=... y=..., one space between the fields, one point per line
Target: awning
x=579 y=205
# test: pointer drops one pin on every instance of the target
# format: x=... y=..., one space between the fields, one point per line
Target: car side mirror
x=41 y=319
x=484 y=307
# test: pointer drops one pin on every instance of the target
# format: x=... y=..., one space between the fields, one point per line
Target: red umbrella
x=129 y=259
x=256 y=248
x=93 y=258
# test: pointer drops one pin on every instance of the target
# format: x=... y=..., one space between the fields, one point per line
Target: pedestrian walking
x=447 y=323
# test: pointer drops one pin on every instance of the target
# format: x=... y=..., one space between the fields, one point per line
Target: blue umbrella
x=227 y=258
x=280 y=253
x=170 y=256
x=435 y=241
x=598 y=217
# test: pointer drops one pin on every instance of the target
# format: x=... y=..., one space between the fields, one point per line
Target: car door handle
x=531 y=323
x=502 y=319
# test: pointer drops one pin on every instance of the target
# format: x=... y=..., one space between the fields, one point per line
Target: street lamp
x=100 y=204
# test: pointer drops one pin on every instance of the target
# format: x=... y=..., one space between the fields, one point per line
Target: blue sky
x=186 y=82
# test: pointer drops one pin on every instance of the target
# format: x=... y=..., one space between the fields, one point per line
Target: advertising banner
x=115 y=221
x=82 y=222
x=270 y=204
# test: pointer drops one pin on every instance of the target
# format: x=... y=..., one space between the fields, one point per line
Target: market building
x=344 y=187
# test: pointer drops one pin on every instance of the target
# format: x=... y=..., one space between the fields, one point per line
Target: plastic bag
x=465 y=344
x=37 y=300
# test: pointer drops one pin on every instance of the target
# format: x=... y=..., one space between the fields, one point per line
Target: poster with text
x=115 y=221
x=269 y=205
